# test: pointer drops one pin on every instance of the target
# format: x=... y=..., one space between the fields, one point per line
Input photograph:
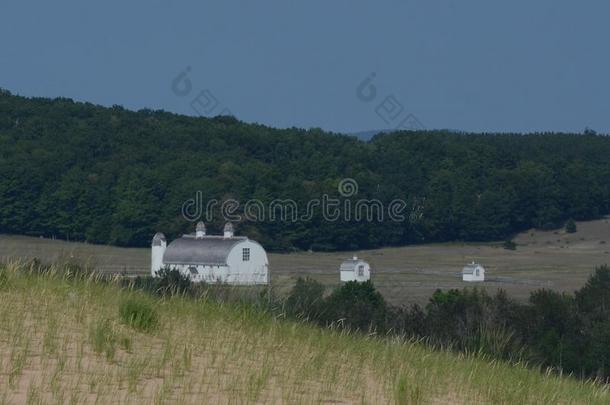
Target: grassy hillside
x=78 y=171
x=62 y=340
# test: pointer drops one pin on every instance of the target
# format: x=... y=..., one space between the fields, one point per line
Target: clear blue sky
x=470 y=65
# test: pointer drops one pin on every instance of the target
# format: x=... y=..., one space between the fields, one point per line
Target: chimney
x=200 y=230
x=355 y=257
x=228 y=231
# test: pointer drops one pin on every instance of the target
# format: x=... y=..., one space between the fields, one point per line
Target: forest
x=78 y=171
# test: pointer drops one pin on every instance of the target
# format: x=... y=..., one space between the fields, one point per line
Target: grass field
x=62 y=341
x=550 y=259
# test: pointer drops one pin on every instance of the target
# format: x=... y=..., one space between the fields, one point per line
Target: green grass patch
x=138 y=313
x=103 y=338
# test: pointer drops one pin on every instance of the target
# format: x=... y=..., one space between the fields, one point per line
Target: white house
x=212 y=258
x=473 y=272
x=355 y=269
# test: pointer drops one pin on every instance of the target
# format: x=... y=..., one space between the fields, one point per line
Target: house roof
x=470 y=268
x=209 y=250
x=158 y=239
x=350 y=264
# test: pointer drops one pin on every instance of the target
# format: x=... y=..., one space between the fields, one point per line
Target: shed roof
x=470 y=268
x=209 y=250
x=350 y=264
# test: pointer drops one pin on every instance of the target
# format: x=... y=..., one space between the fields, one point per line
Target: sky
x=344 y=66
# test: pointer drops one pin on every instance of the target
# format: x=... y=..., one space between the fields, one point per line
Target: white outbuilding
x=473 y=272
x=355 y=269
x=206 y=258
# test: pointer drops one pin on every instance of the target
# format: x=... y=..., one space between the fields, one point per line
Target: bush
x=571 y=226
x=139 y=314
x=172 y=281
x=306 y=300
x=357 y=306
x=509 y=245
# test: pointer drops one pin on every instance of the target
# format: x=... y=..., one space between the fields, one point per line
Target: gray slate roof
x=470 y=268
x=209 y=250
x=350 y=264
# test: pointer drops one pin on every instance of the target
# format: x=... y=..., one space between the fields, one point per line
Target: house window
x=477 y=272
x=361 y=270
x=245 y=254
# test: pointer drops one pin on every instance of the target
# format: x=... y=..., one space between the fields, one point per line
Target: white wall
x=473 y=276
x=348 y=276
x=237 y=272
x=156 y=258
x=208 y=274
x=353 y=275
x=254 y=271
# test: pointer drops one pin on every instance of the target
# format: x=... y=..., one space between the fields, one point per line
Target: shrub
x=172 y=281
x=139 y=314
x=570 y=226
x=306 y=299
x=509 y=245
x=357 y=306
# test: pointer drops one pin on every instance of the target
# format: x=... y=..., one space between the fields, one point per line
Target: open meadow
x=64 y=338
x=549 y=259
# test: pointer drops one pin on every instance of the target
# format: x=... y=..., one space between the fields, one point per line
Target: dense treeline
x=108 y=175
x=570 y=333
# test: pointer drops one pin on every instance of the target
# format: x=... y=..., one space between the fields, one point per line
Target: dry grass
x=62 y=341
x=551 y=259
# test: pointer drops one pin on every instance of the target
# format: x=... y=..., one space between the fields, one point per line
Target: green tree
x=570 y=226
x=306 y=299
x=357 y=306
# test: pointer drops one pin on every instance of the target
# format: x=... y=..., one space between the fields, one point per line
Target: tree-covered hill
x=109 y=175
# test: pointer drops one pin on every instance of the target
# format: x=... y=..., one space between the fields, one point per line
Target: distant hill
x=109 y=175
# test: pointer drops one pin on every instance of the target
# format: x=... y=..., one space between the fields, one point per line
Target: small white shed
x=473 y=272
x=355 y=269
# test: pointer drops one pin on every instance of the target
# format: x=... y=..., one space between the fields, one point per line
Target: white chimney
x=200 y=230
x=228 y=231
x=355 y=257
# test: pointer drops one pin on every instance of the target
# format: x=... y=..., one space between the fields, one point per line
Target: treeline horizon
x=107 y=175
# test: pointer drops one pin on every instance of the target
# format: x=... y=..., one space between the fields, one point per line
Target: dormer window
x=245 y=254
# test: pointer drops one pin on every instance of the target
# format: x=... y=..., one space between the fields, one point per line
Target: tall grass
x=65 y=339
x=138 y=313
